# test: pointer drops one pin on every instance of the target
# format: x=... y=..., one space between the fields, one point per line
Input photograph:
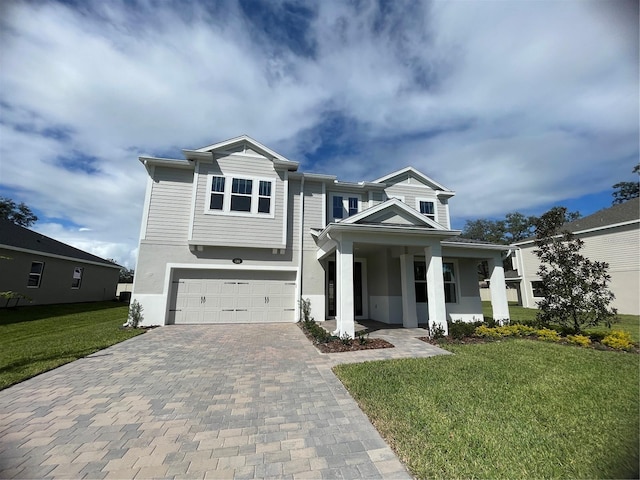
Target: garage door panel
x=215 y=296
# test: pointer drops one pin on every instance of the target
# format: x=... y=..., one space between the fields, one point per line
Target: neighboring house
x=611 y=235
x=47 y=271
x=235 y=233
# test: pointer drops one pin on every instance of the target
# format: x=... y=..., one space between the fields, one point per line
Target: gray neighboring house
x=48 y=271
x=610 y=235
x=235 y=233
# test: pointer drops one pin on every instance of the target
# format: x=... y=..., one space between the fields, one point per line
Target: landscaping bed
x=327 y=343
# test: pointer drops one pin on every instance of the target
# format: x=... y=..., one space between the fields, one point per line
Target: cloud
x=513 y=105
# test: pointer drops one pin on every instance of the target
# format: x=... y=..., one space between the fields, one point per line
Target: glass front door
x=358 y=300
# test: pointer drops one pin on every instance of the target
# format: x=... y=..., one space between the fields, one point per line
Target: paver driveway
x=197 y=402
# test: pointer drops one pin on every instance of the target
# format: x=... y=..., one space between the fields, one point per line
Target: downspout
x=300 y=240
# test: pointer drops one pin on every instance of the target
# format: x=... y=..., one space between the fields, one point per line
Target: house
x=46 y=271
x=235 y=233
x=611 y=235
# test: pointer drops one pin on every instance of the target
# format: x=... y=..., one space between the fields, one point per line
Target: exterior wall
x=411 y=193
x=98 y=283
x=468 y=306
x=618 y=247
x=242 y=230
x=313 y=274
x=512 y=295
x=170 y=206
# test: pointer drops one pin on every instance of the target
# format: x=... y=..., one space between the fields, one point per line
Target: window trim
x=39 y=275
x=345 y=204
x=455 y=282
x=77 y=287
x=535 y=288
x=255 y=197
x=435 y=207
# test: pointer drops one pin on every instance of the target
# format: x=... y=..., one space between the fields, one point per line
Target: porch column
x=435 y=287
x=498 y=289
x=344 y=289
x=409 y=312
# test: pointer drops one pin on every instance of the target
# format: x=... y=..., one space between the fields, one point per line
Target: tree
x=574 y=288
x=19 y=214
x=485 y=230
x=518 y=226
x=126 y=274
x=626 y=190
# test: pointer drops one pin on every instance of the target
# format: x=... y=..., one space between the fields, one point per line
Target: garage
x=229 y=296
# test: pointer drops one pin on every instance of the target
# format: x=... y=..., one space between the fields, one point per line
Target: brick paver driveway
x=218 y=401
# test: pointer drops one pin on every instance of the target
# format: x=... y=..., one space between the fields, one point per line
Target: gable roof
x=393 y=205
x=247 y=140
x=15 y=237
x=419 y=175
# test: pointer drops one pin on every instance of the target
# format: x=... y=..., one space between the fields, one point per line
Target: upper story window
x=344 y=206
x=427 y=208
x=76 y=281
x=35 y=274
x=239 y=195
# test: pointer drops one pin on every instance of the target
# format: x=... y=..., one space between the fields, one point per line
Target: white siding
x=170 y=206
x=243 y=231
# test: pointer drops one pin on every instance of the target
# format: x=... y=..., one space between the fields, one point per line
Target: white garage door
x=201 y=296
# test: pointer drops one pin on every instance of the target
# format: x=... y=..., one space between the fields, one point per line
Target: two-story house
x=235 y=233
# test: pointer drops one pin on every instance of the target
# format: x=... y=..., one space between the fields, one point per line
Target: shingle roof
x=623 y=212
x=13 y=235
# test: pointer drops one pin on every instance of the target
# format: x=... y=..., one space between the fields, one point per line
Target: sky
x=515 y=105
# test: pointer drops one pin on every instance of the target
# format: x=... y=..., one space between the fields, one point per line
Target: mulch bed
x=336 y=346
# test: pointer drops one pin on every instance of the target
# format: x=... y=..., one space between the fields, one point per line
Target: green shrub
x=135 y=315
x=436 y=331
x=548 y=335
x=619 y=340
x=459 y=329
x=597 y=335
x=580 y=340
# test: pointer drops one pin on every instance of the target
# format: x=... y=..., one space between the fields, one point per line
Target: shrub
x=486 y=332
x=619 y=340
x=135 y=315
x=305 y=310
x=580 y=340
x=548 y=335
x=346 y=339
x=459 y=329
x=598 y=335
x=436 y=331
x=363 y=337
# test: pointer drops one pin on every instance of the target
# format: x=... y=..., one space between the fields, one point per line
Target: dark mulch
x=336 y=346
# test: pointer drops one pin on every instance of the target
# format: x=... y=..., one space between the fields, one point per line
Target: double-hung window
x=35 y=274
x=427 y=208
x=344 y=206
x=420 y=276
x=448 y=275
x=231 y=195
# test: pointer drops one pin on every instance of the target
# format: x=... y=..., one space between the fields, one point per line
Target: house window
x=420 y=276
x=77 y=277
x=536 y=287
x=449 y=277
x=237 y=196
x=241 y=195
x=264 y=197
x=217 y=193
x=338 y=209
x=35 y=274
x=428 y=208
x=342 y=207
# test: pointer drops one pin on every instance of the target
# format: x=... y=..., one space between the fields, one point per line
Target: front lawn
x=627 y=323
x=507 y=409
x=36 y=339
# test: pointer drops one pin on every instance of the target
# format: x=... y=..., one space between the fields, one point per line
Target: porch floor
x=372 y=326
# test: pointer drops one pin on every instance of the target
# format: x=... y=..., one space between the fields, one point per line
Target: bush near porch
x=509 y=409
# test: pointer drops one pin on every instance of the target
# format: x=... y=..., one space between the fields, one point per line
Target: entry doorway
x=360 y=298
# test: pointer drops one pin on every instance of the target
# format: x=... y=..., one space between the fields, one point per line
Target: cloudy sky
x=515 y=105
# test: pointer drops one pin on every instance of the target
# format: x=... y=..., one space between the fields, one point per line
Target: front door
x=359 y=280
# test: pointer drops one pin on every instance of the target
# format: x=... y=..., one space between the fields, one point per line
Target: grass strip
x=40 y=338
x=508 y=409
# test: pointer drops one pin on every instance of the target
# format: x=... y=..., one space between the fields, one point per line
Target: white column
x=435 y=287
x=498 y=289
x=344 y=280
x=409 y=312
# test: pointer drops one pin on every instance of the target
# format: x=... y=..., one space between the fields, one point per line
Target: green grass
x=627 y=323
x=509 y=409
x=36 y=339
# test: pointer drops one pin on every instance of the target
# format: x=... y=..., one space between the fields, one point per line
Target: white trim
x=300 y=242
x=255 y=189
x=421 y=219
x=588 y=230
x=147 y=205
x=194 y=195
x=166 y=162
x=285 y=206
x=39 y=274
x=399 y=197
x=456 y=278
x=60 y=257
x=415 y=173
x=324 y=205
x=345 y=204
x=254 y=143
x=482 y=246
x=434 y=201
